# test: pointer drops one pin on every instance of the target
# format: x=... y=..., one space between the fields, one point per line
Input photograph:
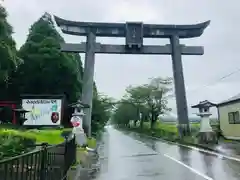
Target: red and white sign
x=75 y=124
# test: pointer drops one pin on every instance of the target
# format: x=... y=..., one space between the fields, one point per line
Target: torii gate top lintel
x=134 y=33
x=119 y=29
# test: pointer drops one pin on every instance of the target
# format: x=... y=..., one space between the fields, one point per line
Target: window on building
x=233 y=117
x=237 y=118
x=230 y=118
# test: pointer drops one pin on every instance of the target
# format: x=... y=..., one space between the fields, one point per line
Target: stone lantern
x=20 y=115
x=77 y=122
x=206 y=133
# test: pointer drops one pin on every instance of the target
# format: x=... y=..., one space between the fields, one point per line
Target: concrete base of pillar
x=81 y=138
x=207 y=138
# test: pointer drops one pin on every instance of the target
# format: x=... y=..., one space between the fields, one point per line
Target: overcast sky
x=114 y=72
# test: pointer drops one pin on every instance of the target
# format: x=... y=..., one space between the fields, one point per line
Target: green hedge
x=14 y=143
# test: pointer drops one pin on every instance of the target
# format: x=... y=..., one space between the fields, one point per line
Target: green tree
x=101 y=112
x=148 y=99
x=47 y=70
x=136 y=96
x=123 y=113
x=155 y=96
x=9 y=60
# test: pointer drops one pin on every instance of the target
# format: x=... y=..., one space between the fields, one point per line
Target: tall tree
x=9 y=60
x=135 y=96
x=156 y=99
x=102 y=108
x=47 y=70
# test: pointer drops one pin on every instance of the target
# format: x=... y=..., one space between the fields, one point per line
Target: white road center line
x=188 y=167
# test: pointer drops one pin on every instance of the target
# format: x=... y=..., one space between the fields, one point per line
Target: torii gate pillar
x=87 y=88
x=180 y=92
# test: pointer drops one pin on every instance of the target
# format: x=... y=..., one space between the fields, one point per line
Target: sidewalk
x=225 y=147
x=88 y=165
x=228 y=147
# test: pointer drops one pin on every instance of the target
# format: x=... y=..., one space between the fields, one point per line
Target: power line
x=209 y=84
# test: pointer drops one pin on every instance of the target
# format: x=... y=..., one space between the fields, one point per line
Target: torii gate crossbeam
x=121 y=49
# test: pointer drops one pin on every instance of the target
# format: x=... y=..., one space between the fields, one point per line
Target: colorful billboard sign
x=42 y=111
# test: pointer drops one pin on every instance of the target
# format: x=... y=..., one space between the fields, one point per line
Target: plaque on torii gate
x=134 y=33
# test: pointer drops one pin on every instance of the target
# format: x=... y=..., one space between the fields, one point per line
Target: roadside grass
x=18 y=141
x=92 y=143
x=50 y=136
x=170 y=127
x=169 y=130
x=14 y=142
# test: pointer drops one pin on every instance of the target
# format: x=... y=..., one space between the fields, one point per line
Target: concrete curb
x=205 y=147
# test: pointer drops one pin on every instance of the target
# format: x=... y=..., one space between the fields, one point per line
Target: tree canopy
x=9 y=59
x=52 y=71
x=144 y=102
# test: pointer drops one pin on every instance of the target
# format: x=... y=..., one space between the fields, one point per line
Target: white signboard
x=42 y=111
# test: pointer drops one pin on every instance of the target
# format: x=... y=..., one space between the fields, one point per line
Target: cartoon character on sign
x=34 y=114
x=55 y=114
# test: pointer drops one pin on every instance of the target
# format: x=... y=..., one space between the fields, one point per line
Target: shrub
x=14 y=143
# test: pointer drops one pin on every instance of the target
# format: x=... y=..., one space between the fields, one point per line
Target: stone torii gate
x=134 y=32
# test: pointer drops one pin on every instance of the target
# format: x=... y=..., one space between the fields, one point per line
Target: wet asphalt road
x=131 y=157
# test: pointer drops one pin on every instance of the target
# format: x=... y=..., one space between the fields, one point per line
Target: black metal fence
x=45 y=163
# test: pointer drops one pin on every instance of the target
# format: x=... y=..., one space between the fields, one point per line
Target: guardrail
x=45 y=163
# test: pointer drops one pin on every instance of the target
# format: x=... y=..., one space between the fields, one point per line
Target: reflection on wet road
x=129 y=156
